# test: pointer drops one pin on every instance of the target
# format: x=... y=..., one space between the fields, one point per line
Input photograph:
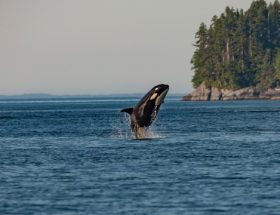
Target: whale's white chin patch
x=161 y=97
x=153 y=96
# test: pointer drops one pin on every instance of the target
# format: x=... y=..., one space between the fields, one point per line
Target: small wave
x=6 y=117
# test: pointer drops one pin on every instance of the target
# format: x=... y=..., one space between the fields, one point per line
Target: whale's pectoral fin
x=127 y=110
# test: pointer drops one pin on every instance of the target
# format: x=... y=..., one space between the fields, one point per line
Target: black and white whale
x=146 y=110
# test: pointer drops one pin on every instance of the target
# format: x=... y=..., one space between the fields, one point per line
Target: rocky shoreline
x=203 y=93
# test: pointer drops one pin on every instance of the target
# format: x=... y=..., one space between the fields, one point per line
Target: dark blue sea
x=78 y=156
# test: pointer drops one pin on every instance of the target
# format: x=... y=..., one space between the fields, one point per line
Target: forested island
x=238 y=55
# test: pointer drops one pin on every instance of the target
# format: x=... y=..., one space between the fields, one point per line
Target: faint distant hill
x=42 y=96
x=27 y=96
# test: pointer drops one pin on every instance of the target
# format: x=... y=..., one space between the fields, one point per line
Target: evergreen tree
x=200 y=56
x=266 y=75
x=277 y=68
x=239 y=49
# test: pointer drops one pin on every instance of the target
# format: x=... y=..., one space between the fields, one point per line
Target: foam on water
x=122 y=130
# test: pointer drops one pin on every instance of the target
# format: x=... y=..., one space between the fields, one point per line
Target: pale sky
x=100 y=46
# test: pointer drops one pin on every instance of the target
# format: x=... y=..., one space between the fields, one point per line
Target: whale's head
x=147 y=108
x=155 y=96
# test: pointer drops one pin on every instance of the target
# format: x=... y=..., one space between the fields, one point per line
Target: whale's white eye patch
x=153 y=96
x=156 y=89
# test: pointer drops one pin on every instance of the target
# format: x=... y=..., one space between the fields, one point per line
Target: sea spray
x=120 y=128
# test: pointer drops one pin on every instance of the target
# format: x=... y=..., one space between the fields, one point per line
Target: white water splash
x=146 y=133
x=122 y=130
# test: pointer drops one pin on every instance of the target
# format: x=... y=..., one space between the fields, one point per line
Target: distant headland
x=238 y=55
x=203 y=93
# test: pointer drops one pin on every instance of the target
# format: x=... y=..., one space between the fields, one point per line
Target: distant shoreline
x=82 y=96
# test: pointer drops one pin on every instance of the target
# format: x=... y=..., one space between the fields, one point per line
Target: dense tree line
x=239 y=48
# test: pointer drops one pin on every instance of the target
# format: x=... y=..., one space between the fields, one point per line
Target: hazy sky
x=100 y=46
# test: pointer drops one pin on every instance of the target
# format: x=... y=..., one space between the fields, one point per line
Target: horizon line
x=78 y=95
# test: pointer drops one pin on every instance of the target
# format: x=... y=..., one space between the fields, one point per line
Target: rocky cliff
x=202 y=93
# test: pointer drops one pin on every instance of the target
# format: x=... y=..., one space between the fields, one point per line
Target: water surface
x=77 y=156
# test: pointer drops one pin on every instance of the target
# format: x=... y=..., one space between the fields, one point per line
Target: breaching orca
x=146 y=110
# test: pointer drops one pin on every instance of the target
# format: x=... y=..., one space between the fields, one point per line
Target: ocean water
x=77 y=156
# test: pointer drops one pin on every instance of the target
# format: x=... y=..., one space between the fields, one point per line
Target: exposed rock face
x=200 y=94
x=241 y=94
x=273 y=94
x=214 y=94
